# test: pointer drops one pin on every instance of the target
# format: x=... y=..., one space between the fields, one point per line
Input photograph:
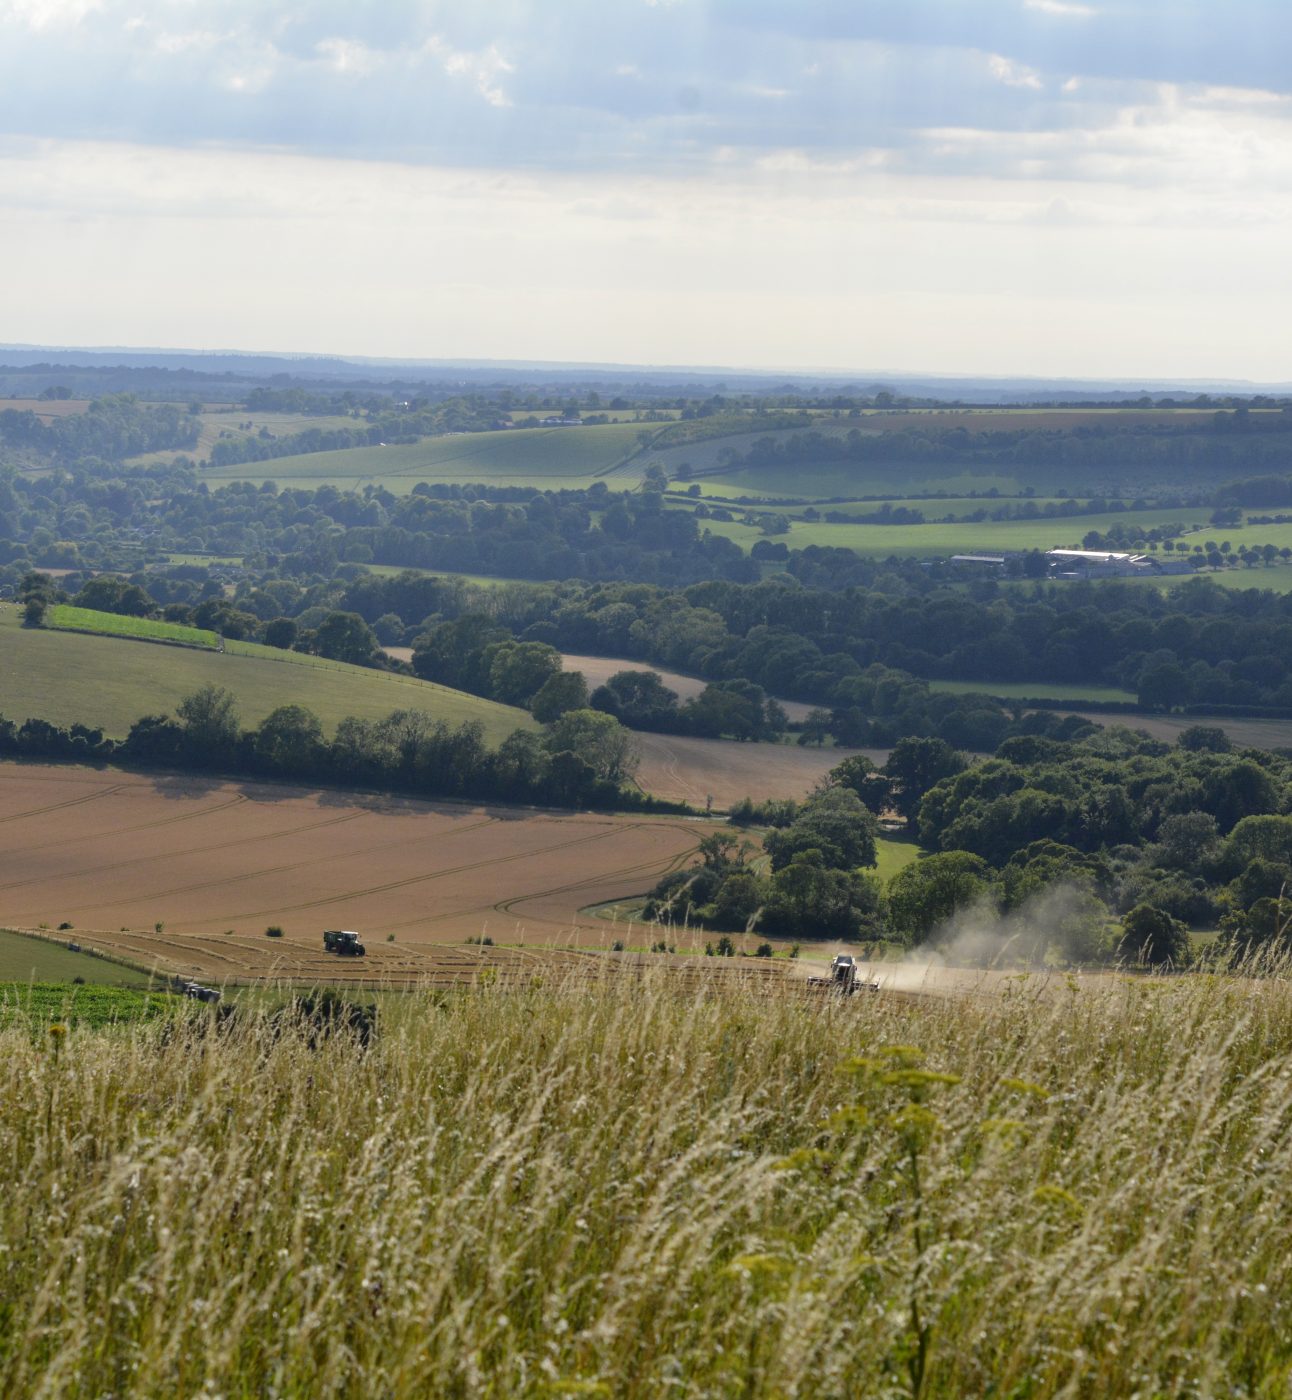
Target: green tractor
x=343 y=942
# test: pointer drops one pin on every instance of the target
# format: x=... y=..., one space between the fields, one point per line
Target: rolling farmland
x=541 y=457
x=65 y=618
x=597 y=670
x=216 y=863
x=109 y=682
x=987 y=536
x=686 y=769
x=214 y=424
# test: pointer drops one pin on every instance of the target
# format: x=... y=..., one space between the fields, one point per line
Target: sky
x=1095 y=188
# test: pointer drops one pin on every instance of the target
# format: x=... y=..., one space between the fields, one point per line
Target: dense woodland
x=1035 y=851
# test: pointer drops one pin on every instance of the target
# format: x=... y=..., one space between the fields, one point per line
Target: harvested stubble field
x=216 y=863
x=643 y=1188
x=684 y=769
x=45 y=409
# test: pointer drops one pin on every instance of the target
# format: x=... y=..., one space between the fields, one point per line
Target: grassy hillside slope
x=541 y=457
x=24 y=959
x=110 y=682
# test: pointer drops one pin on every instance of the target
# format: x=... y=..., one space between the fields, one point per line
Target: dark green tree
x=345 y=637
x=1150 y=936
x=567 y=690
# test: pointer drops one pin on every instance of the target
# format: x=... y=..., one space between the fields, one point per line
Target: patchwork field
x=1247 y=733
x=214 y=864
x=541 y=457
x=45 y=409
x=214 y=424
x=597 y=670
x=109 y=682
x=988 y=536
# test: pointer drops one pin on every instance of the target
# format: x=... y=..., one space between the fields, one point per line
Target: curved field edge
x=109 y=682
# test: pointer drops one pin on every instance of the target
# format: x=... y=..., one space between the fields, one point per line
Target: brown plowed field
x=215 y=863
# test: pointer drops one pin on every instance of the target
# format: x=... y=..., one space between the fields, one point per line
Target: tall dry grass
x=644 y=1189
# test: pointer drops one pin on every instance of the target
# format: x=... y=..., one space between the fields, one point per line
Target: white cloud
x=175 y=43
x=1068 y=9
x=977 y=272
x=348 y=56
x=483 y=66
x=47 y=14
x=1012 y=74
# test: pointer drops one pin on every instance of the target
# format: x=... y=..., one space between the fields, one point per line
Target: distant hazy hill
x=29 y=367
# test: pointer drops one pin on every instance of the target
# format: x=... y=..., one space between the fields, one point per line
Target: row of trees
x=585 y=759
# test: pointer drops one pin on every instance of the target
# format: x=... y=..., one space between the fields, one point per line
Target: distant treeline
x=110 y=428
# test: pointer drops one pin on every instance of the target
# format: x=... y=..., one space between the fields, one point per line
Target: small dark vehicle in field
x=343 y=942
x=843 y=978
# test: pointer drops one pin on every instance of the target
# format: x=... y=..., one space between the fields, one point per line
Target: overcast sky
x=1086 y=187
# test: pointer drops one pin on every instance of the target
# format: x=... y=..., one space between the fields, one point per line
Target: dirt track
x=216 y=863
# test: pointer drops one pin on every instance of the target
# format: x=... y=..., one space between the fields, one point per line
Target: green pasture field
x=894 y=853
x=541 y=457
x=215 y=422
x=25 y=959
x=940 y=541
x=482 y=580
x=933 y=507
x=897 y=480
x=107 y=682
x=1277 y=578
x=66 y=617
x=616 y=415
x=1039 y=690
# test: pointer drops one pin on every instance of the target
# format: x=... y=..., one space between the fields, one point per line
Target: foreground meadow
x=642 y=1188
